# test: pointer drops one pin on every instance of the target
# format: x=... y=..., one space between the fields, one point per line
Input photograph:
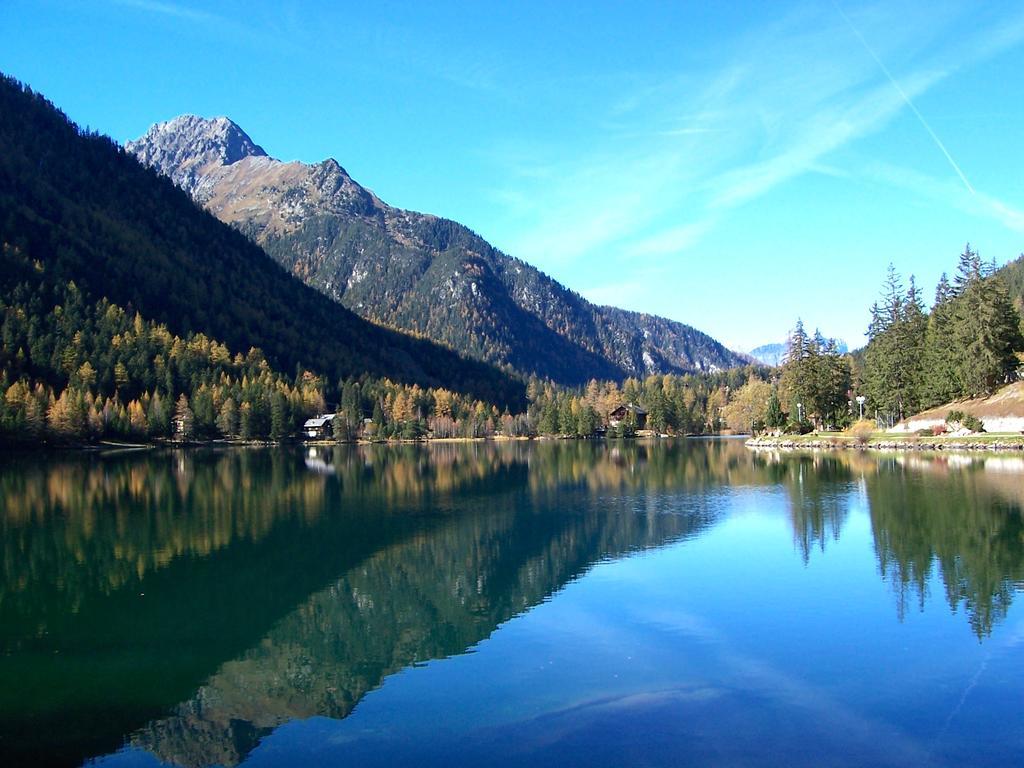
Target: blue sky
x=729 y=165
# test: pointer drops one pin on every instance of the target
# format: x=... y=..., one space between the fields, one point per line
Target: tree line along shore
x=76 y=371
x=927 y=377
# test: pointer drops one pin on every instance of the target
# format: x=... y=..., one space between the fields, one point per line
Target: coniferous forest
x=966 y=346
x=89 y=213
x=969 y=344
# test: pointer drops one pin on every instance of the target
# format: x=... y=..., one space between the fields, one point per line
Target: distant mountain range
x=414 y=271
x=770 y=354
x=775 y=354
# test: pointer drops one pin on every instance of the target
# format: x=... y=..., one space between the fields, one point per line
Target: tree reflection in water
x=190 y=602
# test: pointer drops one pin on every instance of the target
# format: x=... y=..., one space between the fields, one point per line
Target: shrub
x=972 y=423
x=965 y=420
x=862 y=431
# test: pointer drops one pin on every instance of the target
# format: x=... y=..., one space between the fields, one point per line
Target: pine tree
x=378 y=419
x=986 y=327
x=586 y=421
x=942 y=359
x=893 y=359
x=278 y=416
x=158 y=415
x=968 y=270
x=773 y=416
x=227 y=418
x=204 y=412
x=566 y=417
x=892 y=309
x=548 y=422
x=245 y=425
x=340 y=430
x=34 y=417
x=837 y=381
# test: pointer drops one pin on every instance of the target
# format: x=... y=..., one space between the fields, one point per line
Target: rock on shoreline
x=912 y=444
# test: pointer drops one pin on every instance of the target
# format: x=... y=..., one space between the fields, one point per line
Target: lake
x=588 y=603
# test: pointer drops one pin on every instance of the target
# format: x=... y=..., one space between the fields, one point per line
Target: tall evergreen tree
x=987 y=329
x=942 y=357
x=773 y=415
x=968 y=270
x=893 y=359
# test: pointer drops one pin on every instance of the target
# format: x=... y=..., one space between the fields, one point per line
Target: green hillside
x=89 y=213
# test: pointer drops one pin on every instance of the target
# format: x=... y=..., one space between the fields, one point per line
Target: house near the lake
x=319 y=426
x=622 y=413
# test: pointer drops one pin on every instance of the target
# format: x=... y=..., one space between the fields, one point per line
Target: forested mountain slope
x=415 y=271
x=90 y=213
x=1012 y=275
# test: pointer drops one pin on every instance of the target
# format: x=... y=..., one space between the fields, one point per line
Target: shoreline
x=107 y=446
x=982 y=442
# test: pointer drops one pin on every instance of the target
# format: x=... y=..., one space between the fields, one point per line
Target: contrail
x=906 y=98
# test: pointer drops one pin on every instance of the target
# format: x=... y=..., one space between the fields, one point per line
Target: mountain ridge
x=91 y=213
x=419 y=272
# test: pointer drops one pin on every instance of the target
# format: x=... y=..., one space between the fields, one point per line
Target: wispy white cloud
x=689 y=149
x=671 y=240
x=830 y=127
x=906 y=99
x=945 y=191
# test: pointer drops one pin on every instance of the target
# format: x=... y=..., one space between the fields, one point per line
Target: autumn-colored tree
x=227 y=418
x=747 y=409
x=184 y=418
x=137 y=421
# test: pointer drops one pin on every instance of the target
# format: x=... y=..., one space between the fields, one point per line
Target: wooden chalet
x=621 y=413
x=319 y=426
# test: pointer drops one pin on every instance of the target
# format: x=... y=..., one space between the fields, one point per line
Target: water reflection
x=189 y=603
x=957 y=516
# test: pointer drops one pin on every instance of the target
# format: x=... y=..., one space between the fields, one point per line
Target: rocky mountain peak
x=188 y=146
x=415 y=271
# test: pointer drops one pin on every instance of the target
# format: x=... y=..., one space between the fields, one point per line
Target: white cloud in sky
x=684 y=151
x=671 y=240
x=947 y=191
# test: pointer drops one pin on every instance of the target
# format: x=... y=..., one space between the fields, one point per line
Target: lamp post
x=860 y=403
x=800 y=413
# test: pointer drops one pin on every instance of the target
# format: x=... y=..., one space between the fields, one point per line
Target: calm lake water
x=593 y=604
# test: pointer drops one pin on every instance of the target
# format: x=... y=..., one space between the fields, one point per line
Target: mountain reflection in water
x=189 y=603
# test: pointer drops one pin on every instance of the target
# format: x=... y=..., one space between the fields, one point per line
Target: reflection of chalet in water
x=319 y=426
x=621 y=413
x=319 y=460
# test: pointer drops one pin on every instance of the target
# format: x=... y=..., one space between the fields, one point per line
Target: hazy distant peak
x=191 y=145
x=775 y=354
